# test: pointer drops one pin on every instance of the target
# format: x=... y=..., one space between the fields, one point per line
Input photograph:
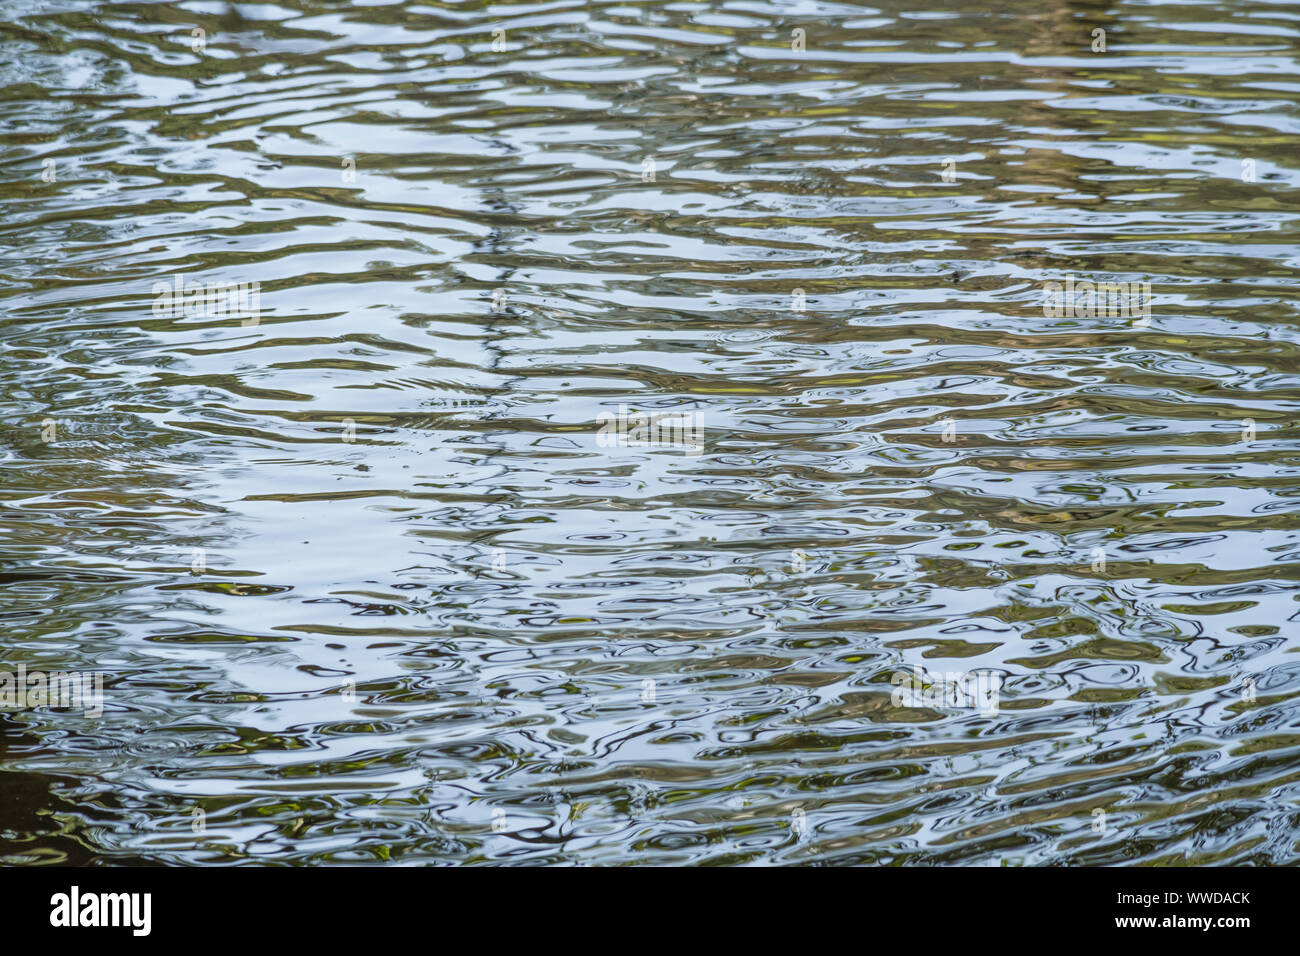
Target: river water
x=366 y=575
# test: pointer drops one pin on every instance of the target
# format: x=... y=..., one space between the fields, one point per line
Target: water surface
x=365 y=586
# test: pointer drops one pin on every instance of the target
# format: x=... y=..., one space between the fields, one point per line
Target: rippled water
x=566 y=652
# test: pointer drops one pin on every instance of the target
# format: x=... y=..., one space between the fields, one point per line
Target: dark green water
x=393 y=482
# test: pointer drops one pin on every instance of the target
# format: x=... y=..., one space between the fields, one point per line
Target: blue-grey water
x=366 y=581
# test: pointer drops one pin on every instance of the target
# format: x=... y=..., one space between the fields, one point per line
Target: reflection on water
x=366 y=584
